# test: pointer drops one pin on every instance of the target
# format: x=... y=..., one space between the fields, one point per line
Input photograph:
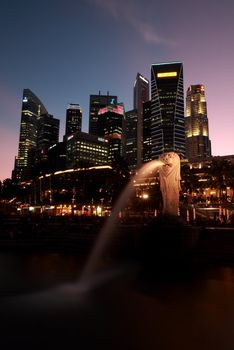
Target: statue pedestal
x=168 y=240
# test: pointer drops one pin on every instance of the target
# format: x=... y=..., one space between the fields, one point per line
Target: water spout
x=104 y=235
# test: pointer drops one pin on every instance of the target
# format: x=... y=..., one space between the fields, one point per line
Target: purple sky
x=66 y=50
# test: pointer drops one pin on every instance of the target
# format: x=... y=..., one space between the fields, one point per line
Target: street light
x=102 y=199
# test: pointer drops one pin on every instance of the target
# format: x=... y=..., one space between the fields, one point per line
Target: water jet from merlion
x=169 y=173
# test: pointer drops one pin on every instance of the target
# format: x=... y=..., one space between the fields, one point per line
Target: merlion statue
x=169 y=176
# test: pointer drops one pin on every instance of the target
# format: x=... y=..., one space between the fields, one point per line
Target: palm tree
x=189 y=180
x=222 y=176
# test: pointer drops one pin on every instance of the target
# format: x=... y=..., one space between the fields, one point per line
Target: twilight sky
x=65 y=50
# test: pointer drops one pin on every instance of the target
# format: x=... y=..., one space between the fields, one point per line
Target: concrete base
x=168 y=239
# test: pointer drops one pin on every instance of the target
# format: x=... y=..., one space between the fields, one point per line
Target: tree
x=189 y=180
x=221 y=176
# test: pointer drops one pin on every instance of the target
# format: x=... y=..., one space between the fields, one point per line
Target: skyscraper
x=147 y=140
x=141 y=92
x=32 y=108
x=38 y=131
x=47 y=136
x=110 y=120
x=131 y=119
x=198 y=145
x=141 y=95
x=48 y=131
x=73 y=119
x=56 y=157
x=97 y=102
x=167 y=109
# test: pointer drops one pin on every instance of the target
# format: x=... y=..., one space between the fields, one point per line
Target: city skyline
x=101 y=45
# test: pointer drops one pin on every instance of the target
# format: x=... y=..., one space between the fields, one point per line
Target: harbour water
x=185 y=307
x=25 y=272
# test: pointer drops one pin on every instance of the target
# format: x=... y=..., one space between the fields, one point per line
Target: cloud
x=131 y=12
x=148 y=32
x=111 y=6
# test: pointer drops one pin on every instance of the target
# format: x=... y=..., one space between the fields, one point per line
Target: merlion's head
x=171 y=165
x=171 y=158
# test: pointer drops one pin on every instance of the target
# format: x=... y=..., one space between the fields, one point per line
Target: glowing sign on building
x=112 y=101
x=103 y=110
x=118 y=109
x=167 y=74
x=115 y=109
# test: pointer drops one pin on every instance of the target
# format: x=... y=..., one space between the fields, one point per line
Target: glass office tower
x=32 y=108
x=140 y=96
x=73 y=119
x=96 y=102
x=110 y=120
x=167 y=109
x=140 y=92
x=131 y=119
x=38 y=131
x=147 y=139
x=47 y=136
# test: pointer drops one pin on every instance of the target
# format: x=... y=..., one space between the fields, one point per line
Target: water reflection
x=193 y=309
x=26 y=273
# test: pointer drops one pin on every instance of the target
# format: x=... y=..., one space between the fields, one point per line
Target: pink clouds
x=131 y=13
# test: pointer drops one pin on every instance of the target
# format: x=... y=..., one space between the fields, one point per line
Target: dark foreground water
x=43 y=305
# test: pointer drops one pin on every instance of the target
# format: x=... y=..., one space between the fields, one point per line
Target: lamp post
x=73 y=199
x=102 y=199
x=145 y=197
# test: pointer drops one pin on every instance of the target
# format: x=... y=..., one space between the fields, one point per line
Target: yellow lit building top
x=166 y=74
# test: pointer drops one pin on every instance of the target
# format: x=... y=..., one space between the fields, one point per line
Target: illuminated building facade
x=47 y=136
x=110 y=120
x=131 y=118
x=32 y=109
x=48 y=133
x=83 y=149
x=141 y=95
x=38 y=131
x=198 y=145
x=147 y=140
x=97 y=102
x=141 y=92
x=73 y=119
x=57 y=157
x=78 y=191
x=167 y=109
